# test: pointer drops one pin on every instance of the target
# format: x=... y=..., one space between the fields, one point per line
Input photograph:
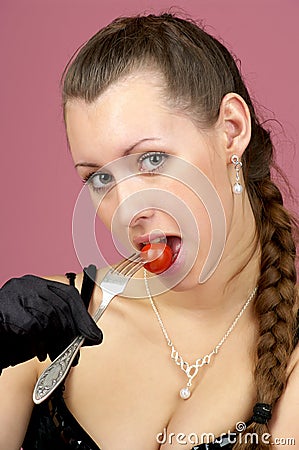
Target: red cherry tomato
x=160 y=256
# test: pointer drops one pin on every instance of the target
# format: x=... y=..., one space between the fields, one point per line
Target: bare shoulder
x=78 y=278
x=96 y=296
x=284 y=424
x=16 y=386
x=63 y=278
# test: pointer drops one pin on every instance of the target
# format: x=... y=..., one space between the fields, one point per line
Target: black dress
x=52 y=426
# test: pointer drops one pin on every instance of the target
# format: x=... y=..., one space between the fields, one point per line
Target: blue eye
x=152 y=161
x=100 y=181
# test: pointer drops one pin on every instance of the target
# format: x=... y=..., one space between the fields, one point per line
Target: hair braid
x=275 y=302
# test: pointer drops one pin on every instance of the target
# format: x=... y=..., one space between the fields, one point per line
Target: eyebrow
x=125 y=153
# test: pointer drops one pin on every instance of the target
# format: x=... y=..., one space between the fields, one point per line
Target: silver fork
x=113 y=283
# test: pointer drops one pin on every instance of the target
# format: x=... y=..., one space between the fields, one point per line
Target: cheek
x=224 y=190
x=199 y=210
x=194 y=202
x=205 y=208
x=219 y=176
x=106 y=221
x=105 y=212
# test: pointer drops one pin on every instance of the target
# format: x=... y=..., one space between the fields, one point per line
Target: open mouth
x=174 y=242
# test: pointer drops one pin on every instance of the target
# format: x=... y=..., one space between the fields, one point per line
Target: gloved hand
x=40 y=317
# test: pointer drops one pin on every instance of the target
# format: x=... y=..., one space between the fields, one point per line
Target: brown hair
x=199 y=71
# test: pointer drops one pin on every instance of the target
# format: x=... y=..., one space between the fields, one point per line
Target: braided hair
x=276 y=303
x=199 y=71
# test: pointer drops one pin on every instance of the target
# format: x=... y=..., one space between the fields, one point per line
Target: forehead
x=127 y=85
x=127 y=112
x=132 y=95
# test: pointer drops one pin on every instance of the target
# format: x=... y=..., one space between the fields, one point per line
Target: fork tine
x=129 y=264
x=131 y=270
x=135 y=257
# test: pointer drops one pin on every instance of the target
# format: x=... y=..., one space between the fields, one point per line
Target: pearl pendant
x=237 y=188
x=185 y=393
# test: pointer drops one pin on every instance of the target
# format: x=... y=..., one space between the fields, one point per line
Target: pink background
x=39 y=186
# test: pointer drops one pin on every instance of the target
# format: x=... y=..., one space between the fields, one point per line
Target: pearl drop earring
x=237 y=187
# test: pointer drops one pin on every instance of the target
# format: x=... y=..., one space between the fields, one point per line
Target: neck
x=217 y=293
x=235 y=277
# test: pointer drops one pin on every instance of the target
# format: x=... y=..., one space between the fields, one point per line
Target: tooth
x=158 y=240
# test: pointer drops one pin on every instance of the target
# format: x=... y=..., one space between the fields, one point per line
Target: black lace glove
x=40 y=317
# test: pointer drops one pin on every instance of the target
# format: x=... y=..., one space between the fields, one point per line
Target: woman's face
x=130 y=130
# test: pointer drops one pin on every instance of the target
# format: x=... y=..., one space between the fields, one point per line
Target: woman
x=142 y=93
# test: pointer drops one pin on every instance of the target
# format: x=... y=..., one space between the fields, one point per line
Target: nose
x=142 y=217
x=126 y=188
x=132 y=208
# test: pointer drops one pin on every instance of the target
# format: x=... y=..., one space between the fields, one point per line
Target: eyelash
x=87 y=178
x=147 y=155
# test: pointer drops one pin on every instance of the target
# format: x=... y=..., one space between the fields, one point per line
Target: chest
x=125 y=393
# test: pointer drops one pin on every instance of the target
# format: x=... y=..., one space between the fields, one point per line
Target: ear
x=234 y=119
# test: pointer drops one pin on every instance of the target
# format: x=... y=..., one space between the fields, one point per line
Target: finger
x=82 y=319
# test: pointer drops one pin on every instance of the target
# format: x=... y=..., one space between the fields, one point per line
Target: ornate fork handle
x=57 y=371
x=112 y=284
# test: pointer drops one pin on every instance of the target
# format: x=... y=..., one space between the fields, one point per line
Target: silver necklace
x=191 y=370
